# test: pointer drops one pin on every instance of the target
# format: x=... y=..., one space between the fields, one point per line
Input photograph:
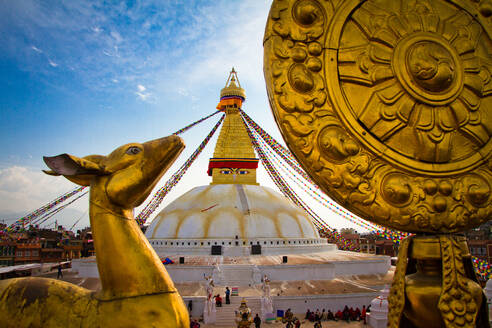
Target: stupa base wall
x=251 y=273
x=241 y=247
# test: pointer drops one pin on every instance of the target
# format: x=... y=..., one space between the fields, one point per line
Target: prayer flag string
x=52 y=213
x=186 y=128
x=26 y=220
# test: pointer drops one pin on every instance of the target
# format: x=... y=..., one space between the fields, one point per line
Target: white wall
x=198 y=303
x=189 y=273
x=380 y=265
x=286 y=272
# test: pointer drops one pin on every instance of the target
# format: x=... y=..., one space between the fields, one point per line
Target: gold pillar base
x=435 y=285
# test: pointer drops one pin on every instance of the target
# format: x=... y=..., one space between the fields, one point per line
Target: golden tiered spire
x=234 y=160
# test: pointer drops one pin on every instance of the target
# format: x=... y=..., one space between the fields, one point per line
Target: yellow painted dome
x=231 y=211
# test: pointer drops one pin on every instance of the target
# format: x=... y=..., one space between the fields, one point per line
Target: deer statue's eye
x=133 y=150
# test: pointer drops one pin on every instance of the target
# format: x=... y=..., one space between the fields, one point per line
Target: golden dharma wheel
x=387 y=105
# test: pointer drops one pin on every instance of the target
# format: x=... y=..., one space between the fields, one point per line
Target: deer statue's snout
x=131 y=185
x=163 y=151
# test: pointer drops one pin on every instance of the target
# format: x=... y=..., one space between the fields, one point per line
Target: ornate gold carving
x=460 y=298
x=336 y=145
x=396 y=297
x=440 y=287
x=396 y=189
x=431 y=66
x=385 y=103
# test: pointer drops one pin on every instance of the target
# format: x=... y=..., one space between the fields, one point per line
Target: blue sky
x=84 y=77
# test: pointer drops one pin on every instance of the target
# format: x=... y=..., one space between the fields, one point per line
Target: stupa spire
x=234 y=160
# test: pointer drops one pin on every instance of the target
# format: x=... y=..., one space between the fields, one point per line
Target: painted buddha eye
x=133 y=150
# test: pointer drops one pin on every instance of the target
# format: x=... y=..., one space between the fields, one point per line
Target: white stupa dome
x=231 y=211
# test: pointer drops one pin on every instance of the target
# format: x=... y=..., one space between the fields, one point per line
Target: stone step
x=233 y=307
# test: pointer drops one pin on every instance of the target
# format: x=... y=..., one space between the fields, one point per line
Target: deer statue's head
x=126 y=176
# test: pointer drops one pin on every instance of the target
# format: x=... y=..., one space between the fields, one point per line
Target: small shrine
x=243 y=316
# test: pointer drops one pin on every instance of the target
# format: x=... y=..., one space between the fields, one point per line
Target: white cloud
x=183 y=92
x=36 y=49
x=116 y=36
x=23 y=190
x=52 y=63
x=142 y=94
x=112 y=53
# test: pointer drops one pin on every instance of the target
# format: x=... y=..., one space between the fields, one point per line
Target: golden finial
x=231 y=89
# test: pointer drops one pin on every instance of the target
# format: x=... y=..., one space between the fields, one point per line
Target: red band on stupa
x=232 y=163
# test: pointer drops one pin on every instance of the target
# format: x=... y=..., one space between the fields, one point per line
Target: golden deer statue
x=136 y=288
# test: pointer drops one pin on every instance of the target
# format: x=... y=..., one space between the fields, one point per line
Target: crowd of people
x=347 y=314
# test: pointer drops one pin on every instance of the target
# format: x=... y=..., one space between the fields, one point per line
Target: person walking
x=228 y=294
x=257 y=321
x=60 y=273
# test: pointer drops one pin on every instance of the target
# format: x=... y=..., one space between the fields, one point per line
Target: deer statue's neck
x=128 y=265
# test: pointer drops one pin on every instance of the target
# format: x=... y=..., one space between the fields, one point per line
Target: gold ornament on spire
x=232 y=89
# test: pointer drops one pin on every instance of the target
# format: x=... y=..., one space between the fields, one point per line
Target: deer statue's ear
x=75 y=169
